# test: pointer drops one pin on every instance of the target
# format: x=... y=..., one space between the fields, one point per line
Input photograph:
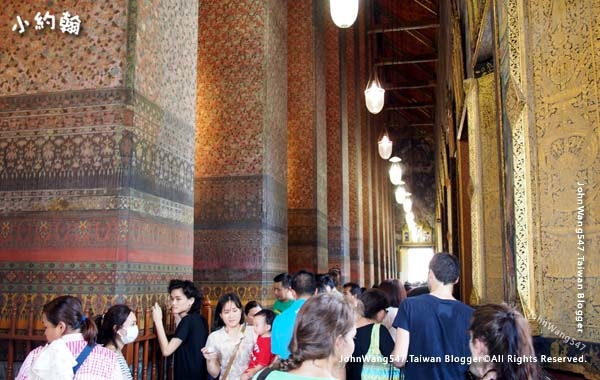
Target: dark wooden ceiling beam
x=422 y=39
x=410 y=107
x=412 y=87
x=409 y=125
x=406 y=62
x=428 y=6
x=401 y=28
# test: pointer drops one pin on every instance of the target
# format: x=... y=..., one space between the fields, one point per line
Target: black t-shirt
x=362 y=341
x=189 y=361
x=438 y=348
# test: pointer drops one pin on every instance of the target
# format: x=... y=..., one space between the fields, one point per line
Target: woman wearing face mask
x=117 y=328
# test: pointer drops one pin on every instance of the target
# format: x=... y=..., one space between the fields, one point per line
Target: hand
x=245 y=376
x=157 y=313
x=210 y=353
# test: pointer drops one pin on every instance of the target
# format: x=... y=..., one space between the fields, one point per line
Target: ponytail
x=68 y=309
x=89 y=330
x=100 y=338
x=505 y=332
x=110 y=322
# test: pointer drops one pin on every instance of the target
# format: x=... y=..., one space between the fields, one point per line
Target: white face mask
x=131 y=335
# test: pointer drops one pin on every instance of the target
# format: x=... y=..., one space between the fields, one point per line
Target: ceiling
x=403 y=46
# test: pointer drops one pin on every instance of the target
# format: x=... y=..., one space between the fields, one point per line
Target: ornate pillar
x=337 y=151
x=307 y=138
x=241 y=168
x=367 y=152
x=355 y=108
x=378 y=253
x=485 y=201
x=96 y=159
x=367 y=196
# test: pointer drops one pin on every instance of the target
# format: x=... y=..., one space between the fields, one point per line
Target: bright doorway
x=418 y=264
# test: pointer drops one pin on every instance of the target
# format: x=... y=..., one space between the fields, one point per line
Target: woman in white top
x=228 y=348
x=69 y=332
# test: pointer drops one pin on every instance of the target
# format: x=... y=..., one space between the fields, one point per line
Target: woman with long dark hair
x=116 y=328
x=395 y=293
x=497 y=333
x=229 y=346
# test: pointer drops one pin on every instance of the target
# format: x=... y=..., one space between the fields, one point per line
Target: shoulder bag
x=375 y=365
x=235 y=351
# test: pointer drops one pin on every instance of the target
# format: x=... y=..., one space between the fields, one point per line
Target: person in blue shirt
x=304 y=286
x=432 y=337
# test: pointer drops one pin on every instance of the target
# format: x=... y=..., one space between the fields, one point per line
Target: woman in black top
x=375 y=304
x=191 y=332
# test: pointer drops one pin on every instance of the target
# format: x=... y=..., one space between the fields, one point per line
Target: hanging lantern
x=410 y=219
x=343 y=12
x=374 y=94
x=395 y=171
x=385 y=147
x=400 y=193
x=407 y=205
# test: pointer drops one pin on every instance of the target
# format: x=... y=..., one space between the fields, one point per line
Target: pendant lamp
x=343 y=12
x=395 y=171
x=374 y=94
x=385 y=147
x=400 y=193
x=410 y=219
x=407 y=205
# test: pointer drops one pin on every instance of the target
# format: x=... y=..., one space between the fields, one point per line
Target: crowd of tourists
x=318 y=328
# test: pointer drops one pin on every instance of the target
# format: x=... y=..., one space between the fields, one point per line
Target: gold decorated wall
x=551 y=101
x=566 y=125
x=527 y=112
x=550 y=96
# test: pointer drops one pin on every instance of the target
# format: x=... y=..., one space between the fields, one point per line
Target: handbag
x=232 y=358
x=375 y=365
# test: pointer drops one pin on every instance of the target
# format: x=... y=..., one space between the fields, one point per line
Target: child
x=190 y=334
x=261 y=353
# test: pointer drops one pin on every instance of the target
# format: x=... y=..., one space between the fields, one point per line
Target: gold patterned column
x=488 y=275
